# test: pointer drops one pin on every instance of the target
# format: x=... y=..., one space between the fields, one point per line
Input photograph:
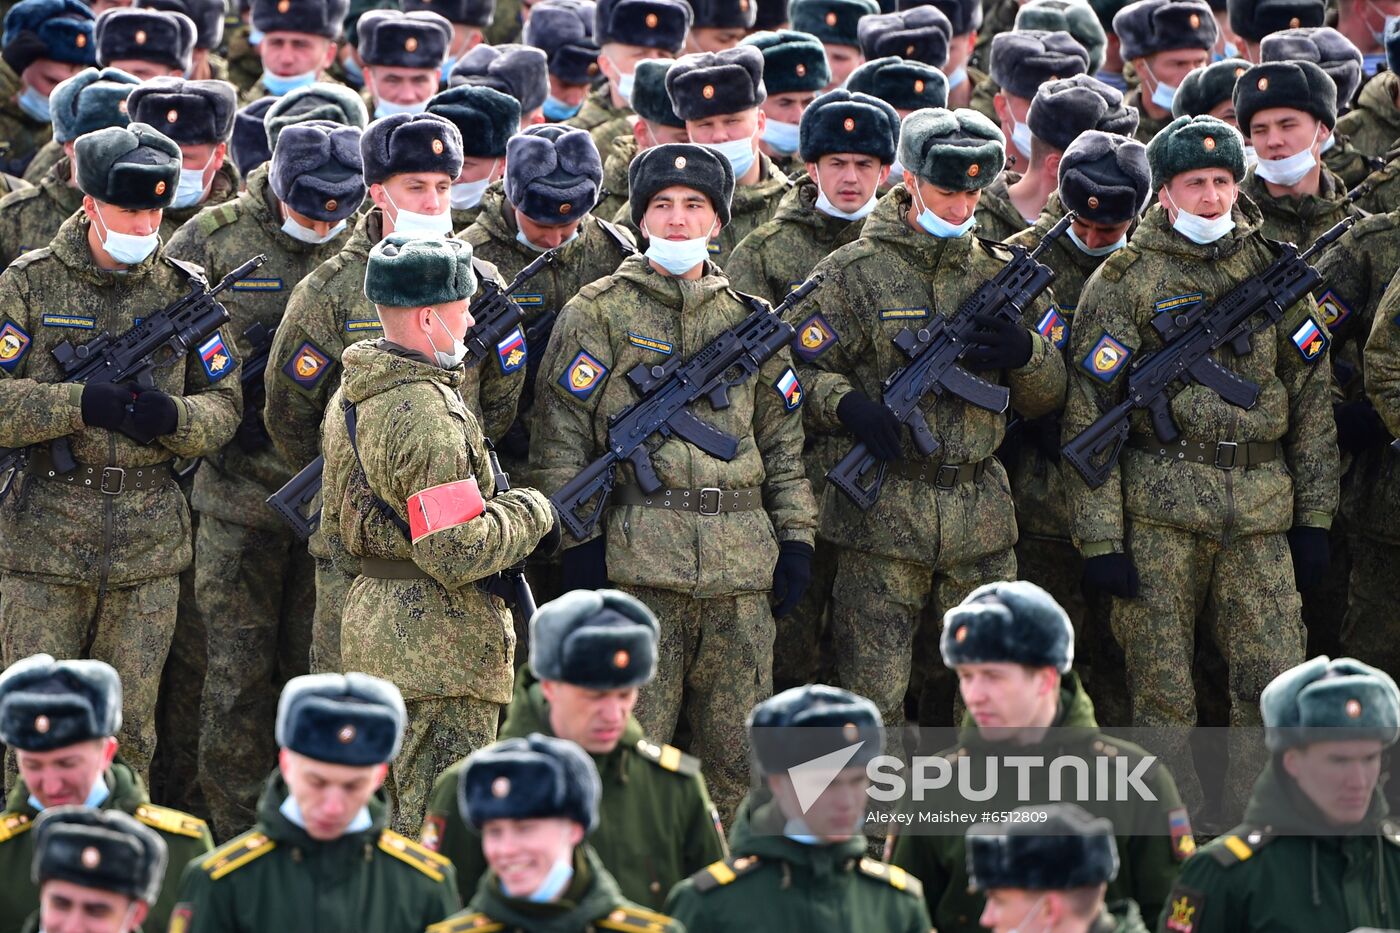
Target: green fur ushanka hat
x=409 y=272
x=133 y=166
x=839 y=121
x=959 y=150
x=1326 y=700
x=1189 y=143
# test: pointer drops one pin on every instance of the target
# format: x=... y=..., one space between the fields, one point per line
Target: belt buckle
x=711 y=491
x=120 y=475
x=1234 y=451
x=946 y=470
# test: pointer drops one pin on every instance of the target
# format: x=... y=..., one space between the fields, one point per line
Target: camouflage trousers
x=254 y=591
x=440 y=732
x=332 y=584
x=1371 y=632
x=802 y=647
x=129 y=627
x=1257 y=629
x=175 y=770
x=877 y=603
x=714 y=665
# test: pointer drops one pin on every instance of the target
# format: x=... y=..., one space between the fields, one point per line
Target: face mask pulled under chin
x=277 y=85
x=125 y=248
x=1202 y=230
x=1289 y=170
x=677 y=256
x=304 y=234
x=411 y=223
x=1088 y=250
x=459 y=348
x=937 y=226
x=826 y=207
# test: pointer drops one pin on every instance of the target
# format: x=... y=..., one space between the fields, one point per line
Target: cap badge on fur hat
x=1195 y=21
x=918 y=85
x=1093 y=202
x=172 y=116
x=960 y=634
x=620 y=659
x=283 y=6
x=140 y=37
x=160 y=188
x=652 y=20
x=121 y=105
x=332 y=204
x=42 y=724
x=437 y=147
x=680 y=161
x=850 y=125
x=1294 y=23
x=346 y=735
x=1354 y=708
x=500 y=787
x=800 y=70
x=708 y=91
x=850 y=732
x=410 y=44
x=1208 y=143
x=1263 y=84
x=831 y=18
x=973 y=169
x=80 y=40
x=91 y=858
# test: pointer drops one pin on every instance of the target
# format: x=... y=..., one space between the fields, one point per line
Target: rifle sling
x=1224 y=455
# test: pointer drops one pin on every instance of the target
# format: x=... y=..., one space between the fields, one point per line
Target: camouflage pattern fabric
x=23 y=133
x=1374 y=123
x=30 y=218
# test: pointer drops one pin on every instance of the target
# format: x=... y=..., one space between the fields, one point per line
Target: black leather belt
x=942 y=476
x=707 y=501
x=110 y=480
x=1223 y=455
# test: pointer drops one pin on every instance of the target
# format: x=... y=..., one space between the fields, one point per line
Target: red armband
x=445 y=506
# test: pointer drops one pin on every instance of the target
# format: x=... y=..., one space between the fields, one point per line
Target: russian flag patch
x=790 y=389
x=1310 y=340
x=1054 y=328
x=510 y=351
x=215 y=357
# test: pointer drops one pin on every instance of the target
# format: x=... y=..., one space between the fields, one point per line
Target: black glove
x=791 y=576
x=1358 y=426
x=153 y=414
x=104 y=404
x=24 y=50
x=585 y=567
x=1312 y=555
x=549 y=544
x=871 y=422
x=1043 y=434
x=997 y=344
x=1113 y=574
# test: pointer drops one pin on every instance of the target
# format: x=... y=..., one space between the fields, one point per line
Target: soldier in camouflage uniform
x=943 y=525
x=198 y=115
x=486 y=118
x=1012 y=648
x=1333 y=53
x=45 y=42
x=88 y=101
x=794 y=72
x=656 y=125
x=95 y=870
x=1164 y=41
x=91 y=557
x=964 y=81
x=409 y=180
x=60 y=718
x=834 y=23
x=706 y=556
x=254 y=582
x=402 y=55
x=146 y=43
x=244 y=65
x=819 y=213
x=1051 y=864
x=297 y=45
x=1050 y=16
x=412 y=490
x=1105 y=179
x=1023 y=63
x=1218 y=513
x=321 y=853
x=1373 y=125
x=534 y=800
x=590 y=652
x=628 y=31
x=797 y=863
x=563 y=30
x=1288 y=110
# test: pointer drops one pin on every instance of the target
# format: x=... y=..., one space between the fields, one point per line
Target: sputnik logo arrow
x=811 y=778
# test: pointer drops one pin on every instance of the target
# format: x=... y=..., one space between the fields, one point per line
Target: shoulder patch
x=583 y=376
x=13 y=824
x=1179 y=824
x=718 y=874
x=893 y=875
x=221 y=216
x=1054 y=328
x=790 y=389
x=1310 y=340
x=511 y=351
x=814 y=337
x=175 y=822
x=308 y=365
x=1106 y=358
x=1239 y=845
x=1334 y=310
x=594 y=289
x=668 y=757
x=477 y=923
x=30 y=256
x=1184 y=908
x=420 y=857
x=14 y=344
x=215 y=358
x=633 y=919
x=236 y=853
x=363 y=325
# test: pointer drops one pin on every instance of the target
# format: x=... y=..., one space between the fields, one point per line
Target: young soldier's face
x=837 y=814
x=475 y=169
x=328 y=795
x=65 y=907
x=405 y=86
x=1097 y=235
x=953 y=206
x=842 y=59
x=726 y=127
x=1225 y=111
x=1003 y=695
x=1171 y=66
x=522 y=852
x=114 y=219
x=546 y=236
x=1338 y=777
x=650 y=134
x=293 y=53
x=65 y=776
x=618 y=59
x=45 y=74
x=1279 y=132
x=679 y=213
x=1206 y=192
x=788 y=108
x=848 y=178
x=593 y=719
x=419 y=192
x=712 y=39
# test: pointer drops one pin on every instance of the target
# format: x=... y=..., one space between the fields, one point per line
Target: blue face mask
x=1114 y=79
x=386 y=108
x=957 y=77
x=556 y=111
x=446 y=70
x=783 y=137
x=1163 y=94
x=35 y=104
x=553 y=885
x=1370 y=64
x=1231 y=50
x=739 y=152
x=354 y=72
x=277 y=85
x=255 y=35
x=937 y=226
x=95 y=798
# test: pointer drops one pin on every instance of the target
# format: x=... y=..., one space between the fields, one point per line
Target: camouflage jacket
x=443 y=636
x=598 y=111
x=1162 y=270
x=234 y=483
x=1148 y=126
x=617 y=158
x=1373 y=124
x=640 y=316
x=1347 y=162
x=244 y=64
x=1380 y=191
x=78 y=534
x=1000 y=16
x=30 y=218
x=23 y=133
x=1301 y=220
x=1357 y=294
x=893 y=277
x=223 y=187
x=998 y=218
x=984 y=91
x=49 y=153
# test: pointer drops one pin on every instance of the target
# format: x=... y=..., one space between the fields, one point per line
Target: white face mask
x=1251 y=157
x=189 y=190
x=459 y=349
x=1199 y=229
x=739 y=152
x=1289 y=170
x=125 y=248
x=1088 y=250
x=1021 y=136
x=1163 y=94
x=411 y=223
x=294 y=229
x=387 y=108
x=625 y=82
x=936 y=225
x=1020 y=927
x=783 y=137
x=468 y=194
x=896 y=171
x=826 y=207
x=678 y=256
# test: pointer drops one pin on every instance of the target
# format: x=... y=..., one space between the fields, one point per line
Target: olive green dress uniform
x=424 y=624
x=1195 y=530
x=1153 y=836
x=703 y=575
x=85 y=573
x=326 y=312
x=24 y=134
x=1373 y=125
x=997 y=217
x=774 y=883
x=276 y=877
x=920 y=546
x=1300 y=220
x=30 y=218
x=186 y=837
x=656 y=825
x=254 y=580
